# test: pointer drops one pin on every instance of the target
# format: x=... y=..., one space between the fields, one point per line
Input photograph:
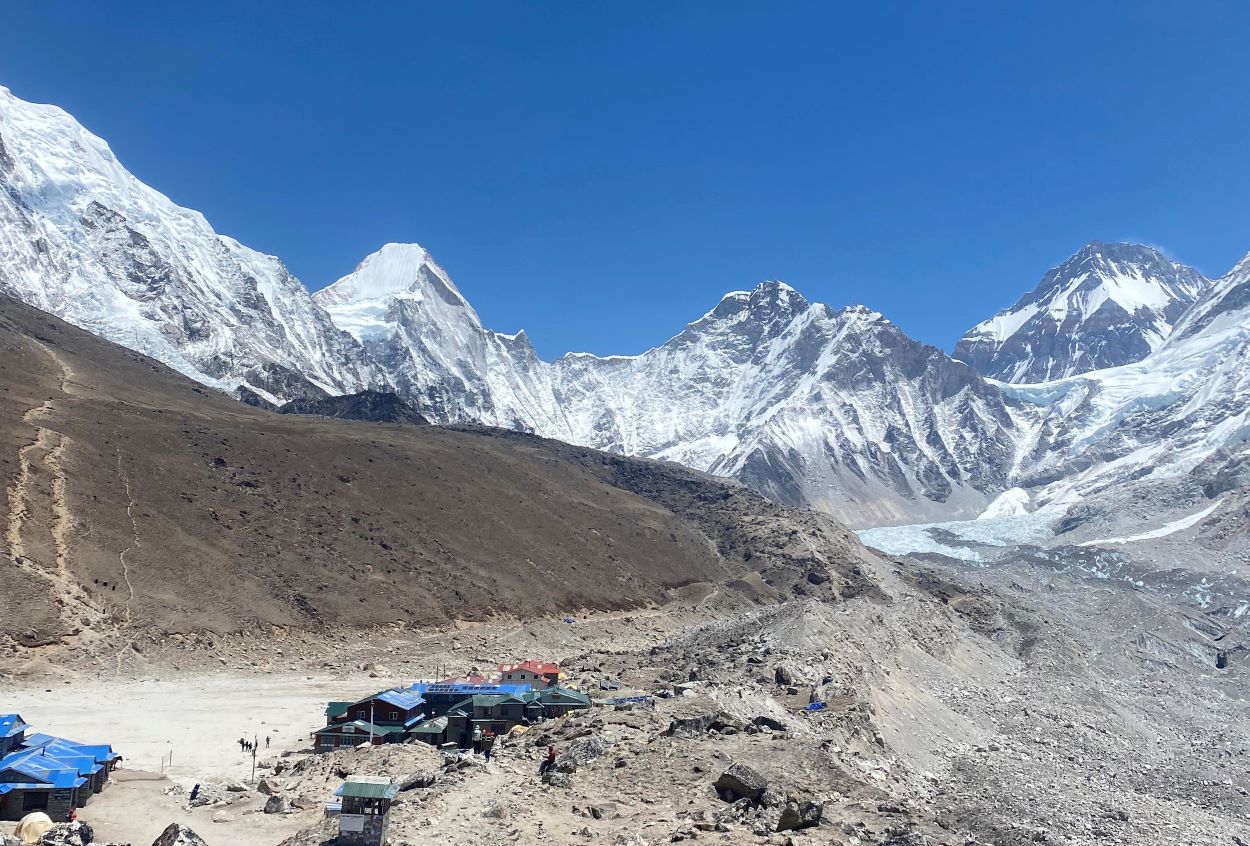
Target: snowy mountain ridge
x=834 y=408
x=82 y=238
x=1183 y=412
x=1107 y=305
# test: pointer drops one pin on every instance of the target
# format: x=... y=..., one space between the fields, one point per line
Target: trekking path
x=39 y=511
x=490 y=802
x=501 y=802
x=134 y=526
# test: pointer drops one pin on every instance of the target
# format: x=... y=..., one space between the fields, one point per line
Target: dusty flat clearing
x=135 y=809
x=197 y=718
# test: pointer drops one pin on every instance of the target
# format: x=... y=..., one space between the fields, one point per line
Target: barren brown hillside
x=135 y=497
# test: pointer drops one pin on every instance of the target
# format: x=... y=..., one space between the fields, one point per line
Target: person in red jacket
x=549 y=761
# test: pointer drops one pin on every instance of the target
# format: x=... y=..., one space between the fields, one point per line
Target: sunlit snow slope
x=84 y=239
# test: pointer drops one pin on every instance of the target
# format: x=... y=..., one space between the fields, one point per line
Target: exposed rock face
x=372 y=406
x=1110 y=304
x=580 y=752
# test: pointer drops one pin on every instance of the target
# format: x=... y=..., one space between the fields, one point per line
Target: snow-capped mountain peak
x=393 y=270
x=82 y=238
x=362 y=300
x=1107 y=305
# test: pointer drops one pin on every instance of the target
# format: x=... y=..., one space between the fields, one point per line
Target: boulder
x=178 y=835
x=797 y=814
x=67 y=834
x=770 y=723
x=579 y=752
x=557 y=779
x=741 y=782
x=700 y=724
x=605 y=810
x=266 y=787
x=275 y=805
x=418 y=779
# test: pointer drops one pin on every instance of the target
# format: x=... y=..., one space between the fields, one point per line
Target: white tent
x=32 y=827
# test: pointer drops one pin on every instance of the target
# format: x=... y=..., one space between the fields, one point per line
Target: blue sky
x=600 y=174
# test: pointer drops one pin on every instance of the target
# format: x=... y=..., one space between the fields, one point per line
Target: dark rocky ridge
x=371 y=406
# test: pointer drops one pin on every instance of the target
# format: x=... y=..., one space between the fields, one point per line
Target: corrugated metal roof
x=563 y=694
x=11 y=724
x=46 y=769
x=337 y=709
x=360 y=727
x=100 y=753
x=367 y=790
x=400 y=699
x=467 y=690
x=434 y=726
x=488 y=700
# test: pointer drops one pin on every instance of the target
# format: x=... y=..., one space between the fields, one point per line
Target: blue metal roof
x=400 y=699
x=11 y=724
x=44 y=761
x=467 y=690
x=101 y=753
x=49 y=770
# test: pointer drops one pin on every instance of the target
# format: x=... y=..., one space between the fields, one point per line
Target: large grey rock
x=580 y=752
x=796 y=814
x=275 y=805
x=178 y=835
x=700 y=724
x=420 y=778
x=741 y=782
x=67 y=834
x=557 y=779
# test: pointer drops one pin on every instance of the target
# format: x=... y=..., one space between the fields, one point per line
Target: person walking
x=266 y=741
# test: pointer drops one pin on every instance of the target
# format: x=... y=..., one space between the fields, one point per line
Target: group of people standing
x=246 y=745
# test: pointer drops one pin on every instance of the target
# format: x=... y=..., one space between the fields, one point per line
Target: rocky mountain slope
x=135 y=498
x=1110 y=304
x=82 y=238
